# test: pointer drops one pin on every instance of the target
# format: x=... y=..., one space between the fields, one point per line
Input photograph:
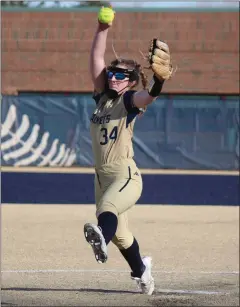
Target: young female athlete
x=118 y=181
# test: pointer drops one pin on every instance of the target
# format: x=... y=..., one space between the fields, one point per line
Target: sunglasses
x=118 y=75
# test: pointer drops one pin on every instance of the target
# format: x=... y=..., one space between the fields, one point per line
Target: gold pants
x=118 y=186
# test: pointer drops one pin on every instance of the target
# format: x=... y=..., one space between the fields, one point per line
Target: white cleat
x=94 y=237
x=146 y=282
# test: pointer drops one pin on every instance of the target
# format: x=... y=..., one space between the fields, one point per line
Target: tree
x=57 y=3
x=13 y=3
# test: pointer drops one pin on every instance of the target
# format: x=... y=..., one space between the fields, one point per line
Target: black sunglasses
x=118 y=75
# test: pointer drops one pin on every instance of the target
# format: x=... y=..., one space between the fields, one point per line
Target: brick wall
x=48 y=51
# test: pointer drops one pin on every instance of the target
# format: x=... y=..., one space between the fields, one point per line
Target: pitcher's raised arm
x=97 y=62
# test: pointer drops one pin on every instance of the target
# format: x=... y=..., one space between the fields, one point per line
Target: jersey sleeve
x=97 y=96
x=128 y=103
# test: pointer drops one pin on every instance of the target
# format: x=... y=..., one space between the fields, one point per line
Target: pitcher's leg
x=93 y=234
x=118 y=198
x=128 y=246
x=141 y=266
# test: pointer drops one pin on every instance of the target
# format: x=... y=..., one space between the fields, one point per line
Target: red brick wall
x=48 y=51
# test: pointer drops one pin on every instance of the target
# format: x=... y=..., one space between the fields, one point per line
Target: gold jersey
x=111 y=128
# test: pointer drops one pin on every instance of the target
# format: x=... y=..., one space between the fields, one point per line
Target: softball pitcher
x=118 y=181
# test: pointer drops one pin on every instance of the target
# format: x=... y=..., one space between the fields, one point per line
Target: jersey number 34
x=109 y=136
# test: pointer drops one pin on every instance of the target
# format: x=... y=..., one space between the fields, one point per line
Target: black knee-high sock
x=132 y=256
x=108 y=222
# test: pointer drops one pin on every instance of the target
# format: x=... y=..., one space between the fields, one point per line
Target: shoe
x=146 y=282
x=94 y=237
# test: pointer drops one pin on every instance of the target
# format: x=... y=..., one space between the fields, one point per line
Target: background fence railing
x=176 y=132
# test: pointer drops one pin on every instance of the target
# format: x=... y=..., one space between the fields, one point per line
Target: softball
x=106 y=15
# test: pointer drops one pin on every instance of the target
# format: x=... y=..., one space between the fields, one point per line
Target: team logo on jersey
x=109 y=104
